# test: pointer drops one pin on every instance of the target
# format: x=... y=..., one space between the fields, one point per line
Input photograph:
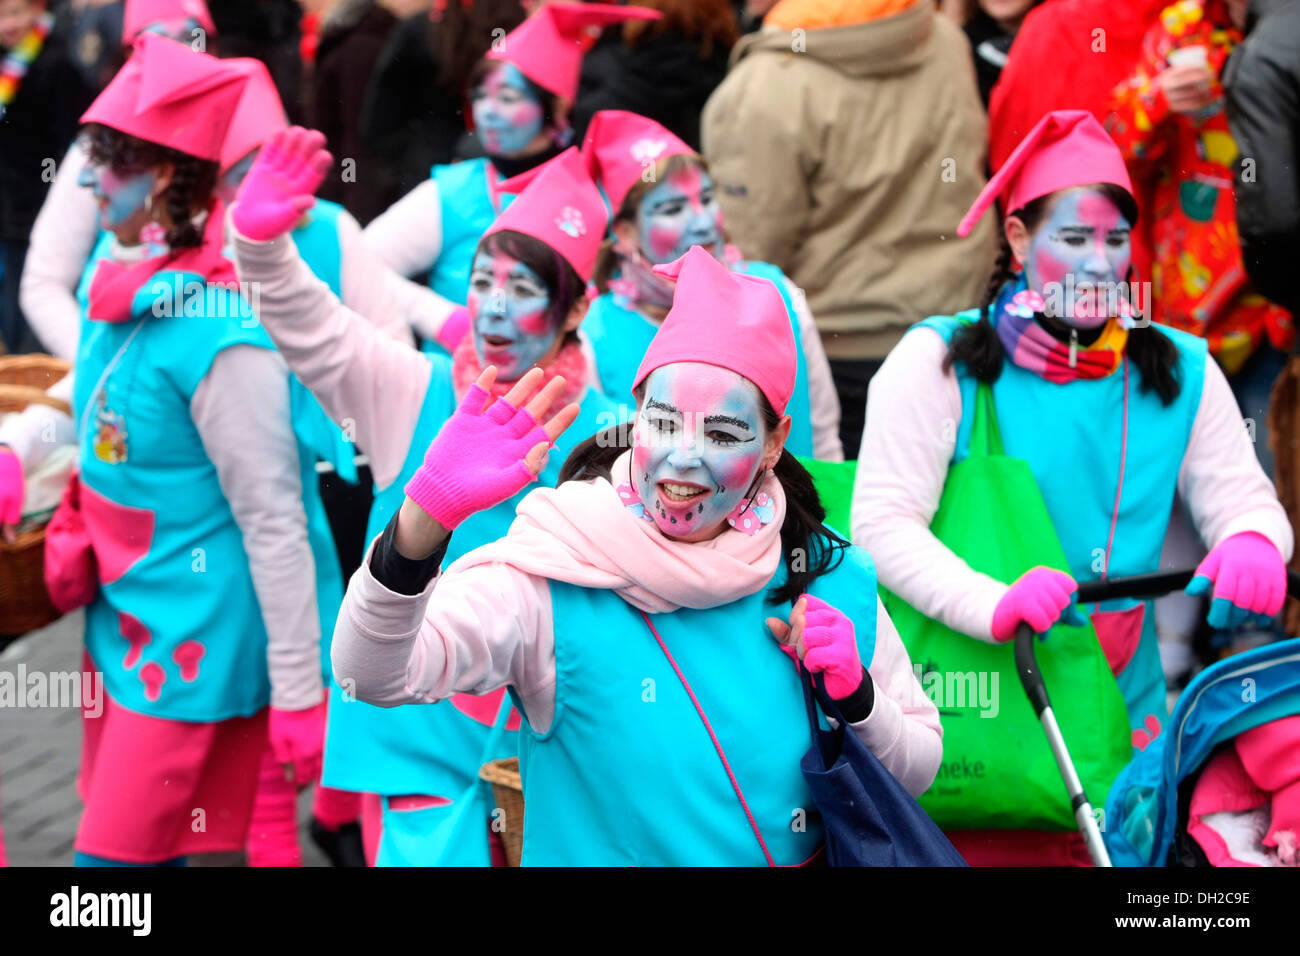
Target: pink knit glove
x=1249 y=578
x=831 y=648
x=1040 y=597
x=11 y=487
x=281 y=185
x=298 y=739
x=477 y=459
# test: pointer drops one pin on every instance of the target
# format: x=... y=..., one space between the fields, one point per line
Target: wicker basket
x=508 y=791
x=24 y=602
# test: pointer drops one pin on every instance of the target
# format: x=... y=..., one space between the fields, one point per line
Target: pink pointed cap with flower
x=620 y=146
x=728 y=319
x=1066 y=148
x=259 y=116
x=170 y=95
x=139 y=15
x=548 y=47
x=560 y=205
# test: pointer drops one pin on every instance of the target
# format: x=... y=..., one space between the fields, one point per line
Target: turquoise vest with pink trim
x=627 y=774
x=1075 y=436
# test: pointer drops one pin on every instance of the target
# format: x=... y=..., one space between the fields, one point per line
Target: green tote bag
x=997 y=770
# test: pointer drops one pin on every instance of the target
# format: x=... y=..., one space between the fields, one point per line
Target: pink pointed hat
x=1066 y=148
x=728 y=319
x=560 y=205
x=548 y=47
x=259 y=116
x=620 y=146
x=170 y=95
x=139 y=15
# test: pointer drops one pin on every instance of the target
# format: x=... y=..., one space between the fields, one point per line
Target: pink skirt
x=156 y=789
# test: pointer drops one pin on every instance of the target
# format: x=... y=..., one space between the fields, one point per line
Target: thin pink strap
x=726 y=765
x=1119 y=485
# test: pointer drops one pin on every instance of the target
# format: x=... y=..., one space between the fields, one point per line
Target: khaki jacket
x=847 y=155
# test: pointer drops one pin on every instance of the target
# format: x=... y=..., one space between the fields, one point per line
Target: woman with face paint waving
x=664 y=203
x=526 y=300
x=519 y=95
x=189 y=532
x=637 y=602
x=1114 y=416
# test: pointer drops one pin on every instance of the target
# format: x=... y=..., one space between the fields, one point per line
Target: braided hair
x=978 y=347
x=189 y=191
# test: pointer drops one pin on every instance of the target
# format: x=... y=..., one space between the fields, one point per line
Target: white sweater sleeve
x=470 y=631
x=823 y=400
x=39 y=429
x=364 y=379
x=903 y=728
x=61 y=241
x=913 y=411
x=241 y=410
x=408 y=235
x=375 y=291
x=1226 y=490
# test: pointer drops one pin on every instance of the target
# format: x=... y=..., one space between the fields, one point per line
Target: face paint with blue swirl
x=119 y=197
x=680 y=212
x=508 y=116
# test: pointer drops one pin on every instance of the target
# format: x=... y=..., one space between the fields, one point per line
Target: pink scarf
x=582 y=533
x=569 y=362
x=114 y=285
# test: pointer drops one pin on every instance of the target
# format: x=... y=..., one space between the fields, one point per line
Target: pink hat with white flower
x=620 y=146
x=548 y=47
x=259 y=116
x=170 y=95
x=140 y=15
x=728 y=319
x=560 y=205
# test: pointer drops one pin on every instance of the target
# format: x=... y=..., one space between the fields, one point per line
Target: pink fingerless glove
x=298 y=738
x=12 y=488
x=1040 y=597
x=281 y=185
x=477 y=459
x=831 y=648
x=1249 y=578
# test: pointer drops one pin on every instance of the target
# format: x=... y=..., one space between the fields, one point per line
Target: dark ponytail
x=978 y=347
x=810 y=548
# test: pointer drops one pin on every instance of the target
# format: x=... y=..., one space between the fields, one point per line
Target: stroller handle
x=1155 y=585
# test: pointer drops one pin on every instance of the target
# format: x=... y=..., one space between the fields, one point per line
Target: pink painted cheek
x=1050 y=268
x=153 y=677
x=187 y=656
x=640 y=456
x=663 y=240
x=741 y=472
x=534 y=323
x=522 y=114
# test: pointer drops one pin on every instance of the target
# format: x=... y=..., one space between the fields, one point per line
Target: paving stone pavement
x=39 y=751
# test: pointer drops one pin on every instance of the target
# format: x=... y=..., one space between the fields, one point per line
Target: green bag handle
x=985 y=435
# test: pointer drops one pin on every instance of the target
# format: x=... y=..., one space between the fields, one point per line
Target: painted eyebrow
x=727 y=420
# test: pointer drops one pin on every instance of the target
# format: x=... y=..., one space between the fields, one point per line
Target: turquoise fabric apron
x=1071 y=435
x=434 y=749
x=175 y=628
x=619 y=337
x=627 y=775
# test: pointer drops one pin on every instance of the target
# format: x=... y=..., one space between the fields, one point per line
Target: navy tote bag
x=871 y=820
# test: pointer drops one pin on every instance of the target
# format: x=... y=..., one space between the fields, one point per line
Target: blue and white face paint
x=697 y=447
x=680 y=212
x=508 y=116
x=510 y=308
x=228 y=187
x=119 y=197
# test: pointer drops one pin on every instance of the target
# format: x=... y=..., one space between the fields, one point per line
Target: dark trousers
x=851 y=379
x=18 y=338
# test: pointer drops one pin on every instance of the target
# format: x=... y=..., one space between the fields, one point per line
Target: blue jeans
x=1252 y=386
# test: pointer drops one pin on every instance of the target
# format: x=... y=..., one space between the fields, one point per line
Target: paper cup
x=1198 y=55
